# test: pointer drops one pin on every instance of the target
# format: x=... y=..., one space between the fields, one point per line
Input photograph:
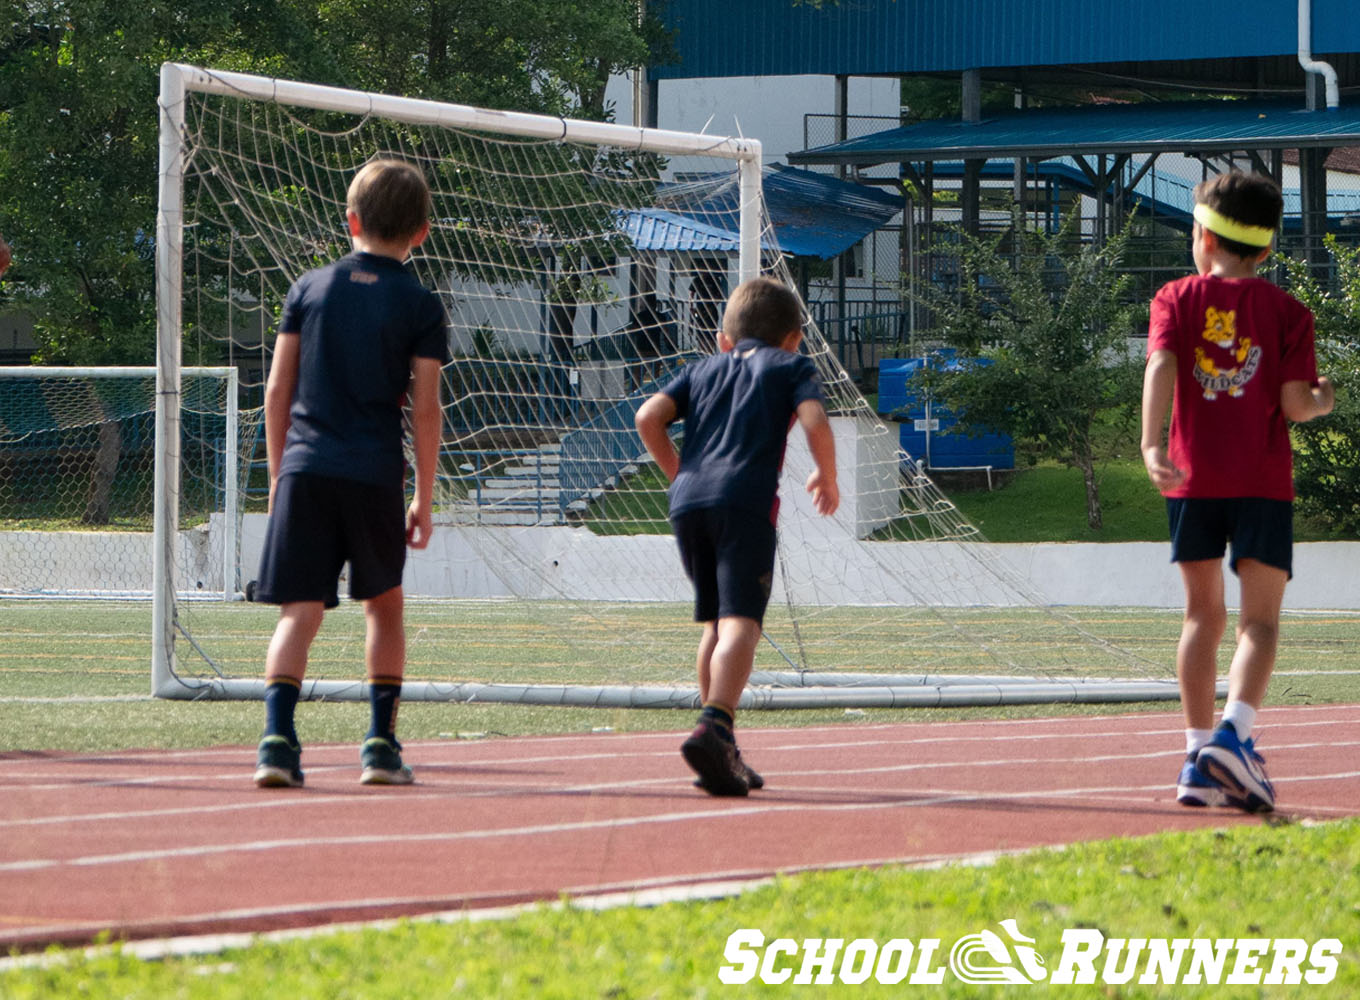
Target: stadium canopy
x=813 y=215
x=1101 y=139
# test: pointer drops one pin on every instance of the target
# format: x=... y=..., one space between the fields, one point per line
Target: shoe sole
x=710 y=767
x=382 y=776
x=268 y=776
x=753 y=781
x=1200 y=798
x=1240 y=789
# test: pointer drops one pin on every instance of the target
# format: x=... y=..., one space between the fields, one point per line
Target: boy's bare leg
x=298 y=624
x=385 y=636
x=703 y=660
x=1206 y=620
x=1258 y=631
x=733 y=655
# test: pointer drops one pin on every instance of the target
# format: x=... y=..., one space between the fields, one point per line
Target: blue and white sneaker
x=1235 y=765
x=1195 y=789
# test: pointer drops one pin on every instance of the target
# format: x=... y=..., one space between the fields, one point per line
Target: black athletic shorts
x=1258 y=529
x=320 y=523
x=729 y=555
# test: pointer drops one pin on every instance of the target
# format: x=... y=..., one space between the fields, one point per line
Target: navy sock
x=720 y=718
x=280 y=701
x=384 y=697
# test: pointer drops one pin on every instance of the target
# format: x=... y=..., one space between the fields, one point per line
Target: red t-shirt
x=1236 y=341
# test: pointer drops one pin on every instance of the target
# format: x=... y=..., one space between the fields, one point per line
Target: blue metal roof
x=813 y=215
x=715 y=38
x=1202 y=126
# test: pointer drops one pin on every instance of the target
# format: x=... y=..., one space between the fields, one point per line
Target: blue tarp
x=813 y=215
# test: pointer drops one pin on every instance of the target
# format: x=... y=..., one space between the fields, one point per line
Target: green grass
x=1289 y=881
x=1047 y=503
x=76 y=675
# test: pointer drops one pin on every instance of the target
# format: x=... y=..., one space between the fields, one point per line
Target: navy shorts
x=729 y=555
x=1258 y=529
x=318 y=524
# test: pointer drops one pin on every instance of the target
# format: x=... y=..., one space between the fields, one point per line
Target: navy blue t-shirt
x=737 y=407
x=360 y=321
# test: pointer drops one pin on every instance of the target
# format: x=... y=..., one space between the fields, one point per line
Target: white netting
x=77 y=480
x=578 y=278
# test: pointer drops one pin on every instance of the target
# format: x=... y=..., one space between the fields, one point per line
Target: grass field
x=75 y=676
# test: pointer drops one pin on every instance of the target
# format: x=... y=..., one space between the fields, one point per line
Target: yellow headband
x=1229 y=229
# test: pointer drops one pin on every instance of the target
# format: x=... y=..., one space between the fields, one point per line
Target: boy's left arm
x=821 y=483
x=427 y=424
x=652 y=420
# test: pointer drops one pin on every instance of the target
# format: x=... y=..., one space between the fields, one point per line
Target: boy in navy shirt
x=738 y=407
x=356 y=338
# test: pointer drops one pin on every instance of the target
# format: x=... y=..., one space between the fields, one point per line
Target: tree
x=1052 y=316
x=78 y=118
x=79 y=124
x=1327 y=450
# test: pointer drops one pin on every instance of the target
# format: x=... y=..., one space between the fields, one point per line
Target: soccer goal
x=581 y=264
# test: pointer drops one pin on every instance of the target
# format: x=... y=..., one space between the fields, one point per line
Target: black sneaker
x=716 y=761
x=381 y=760
x=753 y=778
x=278 y=764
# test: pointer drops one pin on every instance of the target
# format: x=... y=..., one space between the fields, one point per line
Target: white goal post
x=581 y=265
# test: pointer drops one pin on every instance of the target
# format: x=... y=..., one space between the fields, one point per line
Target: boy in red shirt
x=1233 y=356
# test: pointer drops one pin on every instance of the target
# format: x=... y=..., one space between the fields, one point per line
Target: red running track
x=161 y=843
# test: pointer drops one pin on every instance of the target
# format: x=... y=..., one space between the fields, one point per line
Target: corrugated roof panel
x=1106 y=128
x=716 y=38
x=812 y=216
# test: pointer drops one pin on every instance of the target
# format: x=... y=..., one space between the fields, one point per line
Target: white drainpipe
x=1306 y=60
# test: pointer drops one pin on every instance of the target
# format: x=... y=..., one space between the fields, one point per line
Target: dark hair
x=764 y=309
x=391 y=199
x=1251 y=199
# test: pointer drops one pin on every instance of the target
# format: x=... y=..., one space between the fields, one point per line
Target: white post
x=230 y=500
x=169 y=254
x=748 y=176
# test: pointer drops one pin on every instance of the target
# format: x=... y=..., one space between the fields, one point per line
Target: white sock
x=1242 y=716
x=1196 y=738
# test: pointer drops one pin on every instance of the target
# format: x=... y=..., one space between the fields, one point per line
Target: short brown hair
x=1251 y=199
x=391 y=199
x=764 y=309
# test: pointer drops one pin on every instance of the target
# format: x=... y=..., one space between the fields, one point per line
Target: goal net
x=77 y=481
x=581 y=265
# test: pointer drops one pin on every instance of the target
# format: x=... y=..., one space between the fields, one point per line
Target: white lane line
x=919 y=799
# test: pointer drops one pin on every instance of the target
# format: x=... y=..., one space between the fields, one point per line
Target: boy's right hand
x=1163 y=474
x=419 y=525
x=826 y=495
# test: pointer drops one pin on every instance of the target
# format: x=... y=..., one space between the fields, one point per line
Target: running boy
x=738 y=406
x=1232 y=355
x=354 y=338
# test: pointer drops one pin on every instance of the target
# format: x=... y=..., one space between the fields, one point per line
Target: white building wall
x=768 y=108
